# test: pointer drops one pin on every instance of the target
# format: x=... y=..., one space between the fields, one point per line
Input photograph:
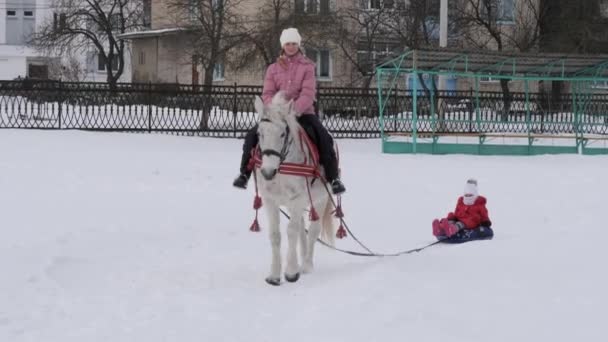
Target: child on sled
x=469 y=221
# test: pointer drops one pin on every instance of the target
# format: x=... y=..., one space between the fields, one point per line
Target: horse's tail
x=328 y=228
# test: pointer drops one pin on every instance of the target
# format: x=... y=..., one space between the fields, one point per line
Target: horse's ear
x=259 y=105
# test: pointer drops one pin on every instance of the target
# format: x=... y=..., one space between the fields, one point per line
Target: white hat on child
x=470 y=192
x=290 y=35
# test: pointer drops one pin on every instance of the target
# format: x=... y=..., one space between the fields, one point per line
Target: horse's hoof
x=273 y=281
x=292 y=278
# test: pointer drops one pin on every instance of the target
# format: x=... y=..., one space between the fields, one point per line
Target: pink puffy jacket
x=296 y=79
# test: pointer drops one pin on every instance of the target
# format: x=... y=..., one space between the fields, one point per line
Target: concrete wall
x=164 y=60
x=11 y=67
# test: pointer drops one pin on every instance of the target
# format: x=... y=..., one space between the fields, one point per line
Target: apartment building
x=162 y=51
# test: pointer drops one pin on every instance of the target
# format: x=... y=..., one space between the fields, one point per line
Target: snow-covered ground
x=135 y=237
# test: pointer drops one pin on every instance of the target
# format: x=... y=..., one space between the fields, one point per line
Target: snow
x=137 y=237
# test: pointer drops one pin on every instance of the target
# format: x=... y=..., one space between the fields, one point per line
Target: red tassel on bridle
x=255 y=226
x=313 y=216
x=341 y=233
x=257 y=204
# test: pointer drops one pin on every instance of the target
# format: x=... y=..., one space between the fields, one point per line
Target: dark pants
x=317 y=133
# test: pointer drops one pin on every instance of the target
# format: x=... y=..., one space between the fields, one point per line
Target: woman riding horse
x=294 y=74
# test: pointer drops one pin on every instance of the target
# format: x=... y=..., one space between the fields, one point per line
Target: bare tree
x=264 y=32
x=490 y=24
x=313 y=18
x=77 y=24
x=68 y=68
x=415 y=24
x=213 y=28
x=363 y=37
x=576 y=27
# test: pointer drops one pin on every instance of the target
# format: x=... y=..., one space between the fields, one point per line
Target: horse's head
x=274 y=132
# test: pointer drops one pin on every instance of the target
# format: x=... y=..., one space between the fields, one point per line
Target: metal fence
x=228 y=111
x=464 y=112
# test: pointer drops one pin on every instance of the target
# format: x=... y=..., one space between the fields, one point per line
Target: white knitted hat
x=290 y=35
x=470 y=188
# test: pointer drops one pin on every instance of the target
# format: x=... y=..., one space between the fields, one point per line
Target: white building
x=18 y=20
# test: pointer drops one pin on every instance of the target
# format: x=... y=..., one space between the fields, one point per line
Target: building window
x=14 y=27
x=368 y=60
x=600 y=84
x=29 y=24
x=414 y=80
x=377 y=4
x=115 y=21
x=489 y=79
x=604 y=8
x=194 y=10
x=60 y=21
x=218 y=72
x=147 y=14
x=38 y=71
x=501 y=11
x=322 y=59
x=142 y=57
x=312 y=6
x=101 y=62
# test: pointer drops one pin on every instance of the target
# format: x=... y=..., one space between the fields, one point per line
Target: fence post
x=149 y=107
x=234 y=110
x=60 y=103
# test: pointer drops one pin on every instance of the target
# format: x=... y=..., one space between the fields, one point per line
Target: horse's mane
x=279 y=109
x=279 y=100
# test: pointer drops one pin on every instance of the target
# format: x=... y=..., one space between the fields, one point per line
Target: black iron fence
x=467 y=112
x=228 y=111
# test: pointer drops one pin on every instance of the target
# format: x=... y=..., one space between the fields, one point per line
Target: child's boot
x=437 y=231
x=451 y=228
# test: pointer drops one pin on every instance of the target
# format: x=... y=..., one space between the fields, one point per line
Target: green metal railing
x=434 y=123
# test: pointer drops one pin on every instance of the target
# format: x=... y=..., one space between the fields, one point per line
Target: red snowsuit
x=471 y=215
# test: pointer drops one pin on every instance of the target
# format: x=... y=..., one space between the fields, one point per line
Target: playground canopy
x=433 y=115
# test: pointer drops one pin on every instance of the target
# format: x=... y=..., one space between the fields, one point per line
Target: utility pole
x=443 y=35
x=443 y=42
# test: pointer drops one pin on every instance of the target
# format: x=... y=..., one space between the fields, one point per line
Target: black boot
x=327 y=155
x=241 y=181
x=337 y=187
x=251 y=140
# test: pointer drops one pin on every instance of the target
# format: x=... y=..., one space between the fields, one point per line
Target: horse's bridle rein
x=283 y=154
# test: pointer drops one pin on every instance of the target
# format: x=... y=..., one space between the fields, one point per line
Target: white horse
x=279 y=143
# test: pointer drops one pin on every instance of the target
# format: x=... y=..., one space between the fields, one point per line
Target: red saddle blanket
x=310 y=166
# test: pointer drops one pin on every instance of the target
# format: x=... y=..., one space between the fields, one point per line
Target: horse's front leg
x=313 y=233
x=272 y=210
x=295 y=226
